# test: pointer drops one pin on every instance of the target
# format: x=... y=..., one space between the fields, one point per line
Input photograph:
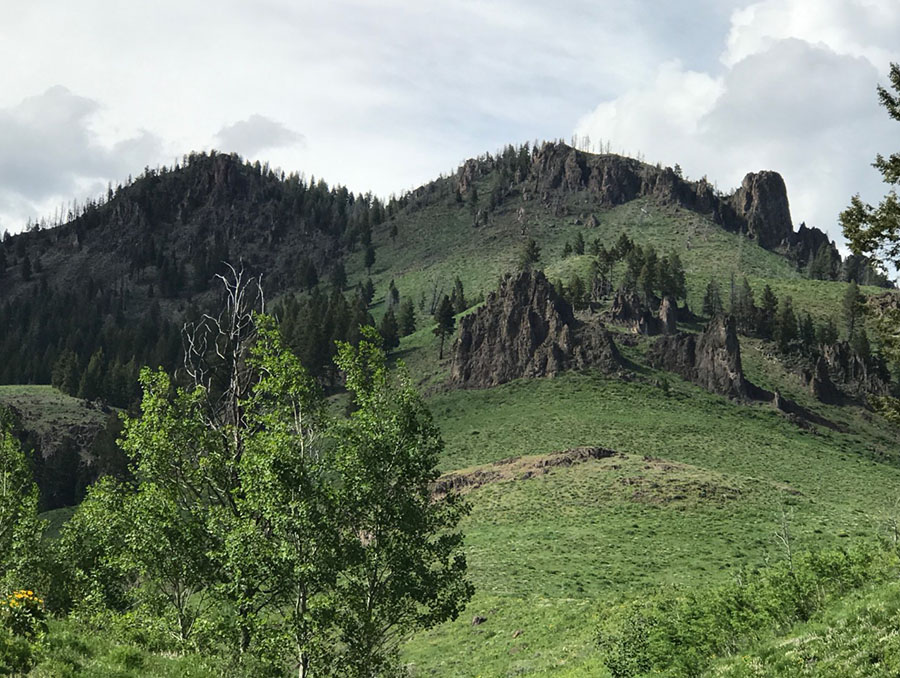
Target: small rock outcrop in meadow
x=525 y=329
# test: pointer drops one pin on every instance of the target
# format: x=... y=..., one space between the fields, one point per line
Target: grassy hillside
x=48 y=413
x=696 y=491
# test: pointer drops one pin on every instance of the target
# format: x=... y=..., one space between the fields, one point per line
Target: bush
x=677 y=633
x=23 y=625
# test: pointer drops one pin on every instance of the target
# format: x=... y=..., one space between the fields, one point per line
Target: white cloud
x=796 y=94
x=256 y=133
x=48 y=152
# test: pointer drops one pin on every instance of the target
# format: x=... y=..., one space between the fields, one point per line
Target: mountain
x=614 y=432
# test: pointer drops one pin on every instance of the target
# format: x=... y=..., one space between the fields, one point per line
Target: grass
x=71 y=651
x=49 y=413
x=858 y=637
x=546 y=554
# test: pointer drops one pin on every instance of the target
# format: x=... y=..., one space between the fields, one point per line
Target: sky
x=385 y=95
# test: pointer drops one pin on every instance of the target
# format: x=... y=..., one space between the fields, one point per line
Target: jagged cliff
x=525 y=329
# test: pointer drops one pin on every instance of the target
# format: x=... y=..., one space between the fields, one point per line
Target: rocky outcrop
x=820 y=384
x=761 y=208
x=852 y=372
x=527 y=330
x=711 y=359
x=758 y=208
x=668 y=316
x=628 y=310
x=803 y=244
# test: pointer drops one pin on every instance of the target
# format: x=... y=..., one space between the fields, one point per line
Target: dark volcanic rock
x=668 y=316
x=711 y=359
x=761 y=203
x=628 y=310
x=759 y=207
x=526 y=330
x=803 y=244
x=820 y=384
x=848 y=369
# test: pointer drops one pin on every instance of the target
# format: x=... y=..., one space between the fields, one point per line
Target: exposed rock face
x=820 y=384
x=526 y=330
x=803 y=244
x=711 y=360
x=628 y=310
x=759 y=207
x=848 y=369
x=668 y=316
x=761 y=204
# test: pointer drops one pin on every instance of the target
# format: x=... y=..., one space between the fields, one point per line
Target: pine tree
x=576 y=291
x=369 y=258
x=446 y=323
x=393 y=295
x=712 y=299
x=458 y=297
x=578 y=247
x=746 y=310
x=806 y=332
x=338 y=277
x=407 y=320
x=531 y=254
x=785 y=325
x=389 y=331
x=768 y=307
x=826 y=333
x=852 y=309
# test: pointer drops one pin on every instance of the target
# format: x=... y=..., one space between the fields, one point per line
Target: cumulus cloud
x=256 y=133
x=796 y=93
x=48 y=152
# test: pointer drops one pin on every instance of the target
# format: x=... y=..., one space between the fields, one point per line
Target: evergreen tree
x=389 y=331
x=567 y=249
x=826 y=333
x=368 y=291
x=26 y=268
x=458 y=297
x=712 y=299
x=338 y=277
x=407 y=320
x=369 y=258
x=852 y=309
x=307 y=275
x=646 y=282
x=578 y=247
x=746 y=308
x=446 y=323
x=531 y=254
x=393 y=231
x=768 y=307
x=576 y=291
x=821 y=265
x=393 y=294
x=785 y=324
x=806 y=332
x=92 y=378
x=860 y=343
x=874 y=230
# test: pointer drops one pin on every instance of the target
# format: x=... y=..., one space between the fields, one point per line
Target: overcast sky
x=384 y=95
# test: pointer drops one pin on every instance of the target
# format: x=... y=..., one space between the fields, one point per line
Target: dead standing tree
x=216 y=351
